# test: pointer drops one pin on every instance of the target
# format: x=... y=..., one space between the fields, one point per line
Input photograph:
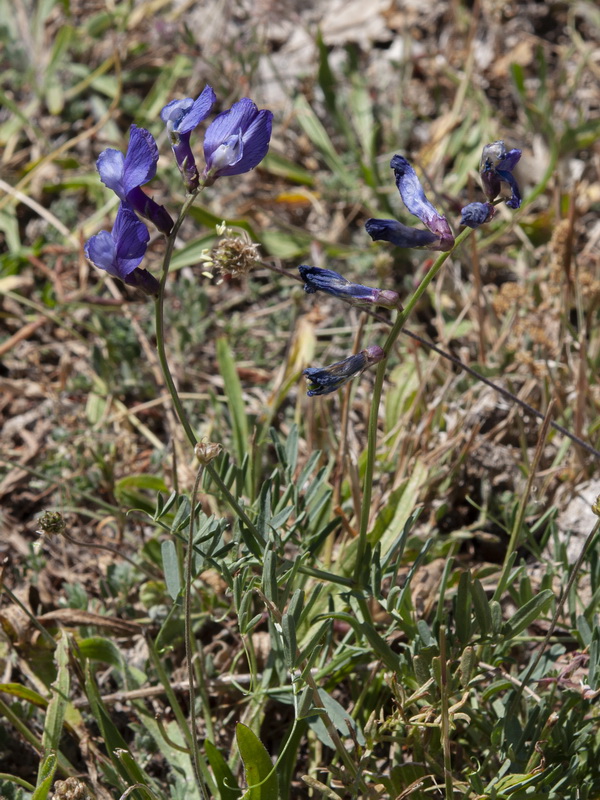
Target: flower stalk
x=377 y=389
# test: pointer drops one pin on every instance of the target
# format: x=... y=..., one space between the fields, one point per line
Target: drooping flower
x=496 y=168
x=126 y=174
x=438 y=236
x=324 y=380
x=236 y=140
x=181 y=117
x=475 y=214
x=121 y=251
x=390 y=230
x=326 y=280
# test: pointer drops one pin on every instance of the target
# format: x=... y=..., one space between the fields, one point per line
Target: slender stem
x=189 y=646
x=377 y=389
x=232 y=500
x=160 y=323
x=164 y=365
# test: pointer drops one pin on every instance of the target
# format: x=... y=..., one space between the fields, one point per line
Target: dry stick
x=461 y=365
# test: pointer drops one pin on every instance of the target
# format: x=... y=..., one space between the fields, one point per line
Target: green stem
x=377 y=389
x=160 y=322
x=189 y=649
x=170 y=383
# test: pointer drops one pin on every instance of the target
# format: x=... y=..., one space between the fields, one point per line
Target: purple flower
x=390 y=230
x=416 y=202
x=326 y=280
x=236 y=140
x=496 y=167
x=121 y=251
x=181 y=117
x=126 y=174
x=475 y=214
x=437 y=237
x=324 y=380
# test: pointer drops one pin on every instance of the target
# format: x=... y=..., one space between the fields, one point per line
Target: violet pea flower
x=390 y=230
x=475 y=214
x=325 y=380
x=326 y=280
x=416 y=202
x=126 y=174
x=181 y=117
x=236 y=140
x=439 y=236
x=121 y=251
x=497 y=164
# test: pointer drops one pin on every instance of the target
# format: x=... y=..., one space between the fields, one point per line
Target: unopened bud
x=51 y=523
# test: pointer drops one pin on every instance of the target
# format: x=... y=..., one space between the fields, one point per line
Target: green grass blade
x=235 y=400
x=45 y=777
x=226 y=782
x=57 y=706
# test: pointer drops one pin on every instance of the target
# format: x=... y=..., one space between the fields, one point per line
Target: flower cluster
x=496 y=168
x=235 y=142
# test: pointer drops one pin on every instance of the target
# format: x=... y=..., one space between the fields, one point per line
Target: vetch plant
x=438 y=236
x=235 y=143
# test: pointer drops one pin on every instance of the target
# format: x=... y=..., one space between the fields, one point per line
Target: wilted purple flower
x=236 y=140
x=390 y=230
x=325 y=380
x=326 y=280
x=181 y=117
x=438 y=237
x=414 y=199
x=121 y=251
x=126 y=174
x=475 y=214
x=496 y=167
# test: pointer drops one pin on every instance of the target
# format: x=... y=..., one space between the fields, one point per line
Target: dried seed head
x=235 y=254
x=207 y=451
x=51 y=524
x=70 y=789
